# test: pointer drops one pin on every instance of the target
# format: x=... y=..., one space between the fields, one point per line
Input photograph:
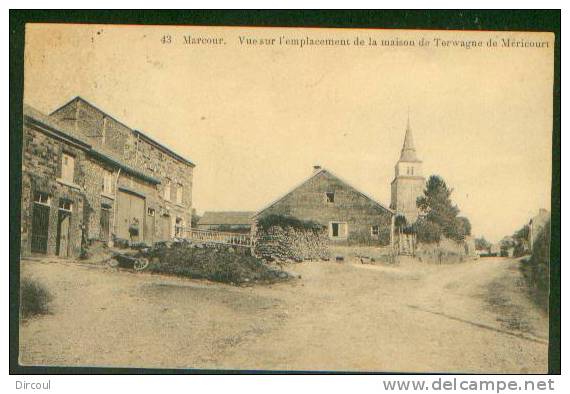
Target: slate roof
x=67 y=133
x=226 y=217
x=139 y=133
x=317 y=173
x=408 y=150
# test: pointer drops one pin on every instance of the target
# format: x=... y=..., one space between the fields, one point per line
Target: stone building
x=350 y=216
x=233 y=221
x=88 y=177
x=408 y=183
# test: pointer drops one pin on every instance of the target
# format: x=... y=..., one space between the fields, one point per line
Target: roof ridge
x=314 y=174
x=136 y=131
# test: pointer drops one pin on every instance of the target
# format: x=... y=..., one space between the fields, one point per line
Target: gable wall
x=308 y=202
x=136 y=152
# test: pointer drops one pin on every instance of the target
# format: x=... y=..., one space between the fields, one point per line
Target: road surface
x=468 y=317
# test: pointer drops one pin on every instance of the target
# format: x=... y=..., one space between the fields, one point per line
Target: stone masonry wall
x=41 y=167
x=308 y=202
x=136 y=151
x=171 y=172
x=285 y=244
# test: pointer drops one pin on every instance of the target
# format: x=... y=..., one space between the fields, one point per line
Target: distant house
x=536 y=225
x=350 y=216
x=226 y=221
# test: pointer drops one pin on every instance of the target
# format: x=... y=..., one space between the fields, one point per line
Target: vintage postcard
x=286 y=199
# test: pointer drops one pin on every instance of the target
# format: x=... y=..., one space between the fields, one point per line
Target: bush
x=220 y=264
x=427 y=231
x=34 y=298
x=536 y=270
x=282 y=221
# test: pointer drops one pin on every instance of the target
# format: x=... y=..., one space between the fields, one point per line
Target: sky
x=256 y=118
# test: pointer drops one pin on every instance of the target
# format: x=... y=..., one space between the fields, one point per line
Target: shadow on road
x=484 y=326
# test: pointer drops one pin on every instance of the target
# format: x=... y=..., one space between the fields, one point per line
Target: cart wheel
x=113 y=263
x=141 y=264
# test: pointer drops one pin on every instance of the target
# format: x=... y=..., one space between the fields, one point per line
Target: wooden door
x=105 y=223
x=40 y=224
x=130 y=213
x=63 y=233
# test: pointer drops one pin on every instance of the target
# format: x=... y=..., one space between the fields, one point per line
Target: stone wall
x=291 y=244
x=93 y=124
x=94 y=199
x=41 y=169
x=171 y=172
x=136 y=150
x=309 y=203
x=446 y=251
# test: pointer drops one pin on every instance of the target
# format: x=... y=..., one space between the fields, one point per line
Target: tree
x=482 y=244
x=521 y=241
x=400 y=221
x=522 y=233
x=462 y=227
x=195 y=218
x=427 y=232
x=437 y=208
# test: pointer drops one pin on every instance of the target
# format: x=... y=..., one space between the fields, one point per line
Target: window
x=338 y=230
x=67 y=167
x=375 y=231
x=108 y=186
x=330 y=197
x=150 y=211
x=42 y=198
x=179 y=192
x=167 y=190
x=412 y=171
x=65 y=205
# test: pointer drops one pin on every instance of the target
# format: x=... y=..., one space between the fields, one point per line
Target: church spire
x=408 y=150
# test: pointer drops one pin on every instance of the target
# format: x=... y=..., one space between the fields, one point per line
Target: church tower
x=408 y=183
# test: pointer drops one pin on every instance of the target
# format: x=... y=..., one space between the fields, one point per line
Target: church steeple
x=408 y=181
x=408 y=150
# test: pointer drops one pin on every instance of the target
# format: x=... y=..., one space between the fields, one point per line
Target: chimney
x=316 y=168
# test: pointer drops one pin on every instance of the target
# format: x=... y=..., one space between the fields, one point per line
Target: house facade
x=536 y=225
x=350 y=216
x=88 y=177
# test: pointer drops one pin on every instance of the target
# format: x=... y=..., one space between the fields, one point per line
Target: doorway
x=149 y=227
x=105 y=222
x=130 y=216
x=63 y=225
x=40 y=224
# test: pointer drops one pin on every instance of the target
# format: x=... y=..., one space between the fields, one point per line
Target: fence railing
x=218 y=237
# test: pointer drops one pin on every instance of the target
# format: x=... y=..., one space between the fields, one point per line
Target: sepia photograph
x=237 y=198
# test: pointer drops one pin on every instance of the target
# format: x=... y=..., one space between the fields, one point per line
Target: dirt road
x=469 y=317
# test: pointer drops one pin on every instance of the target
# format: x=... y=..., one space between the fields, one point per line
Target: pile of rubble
x=291 y=244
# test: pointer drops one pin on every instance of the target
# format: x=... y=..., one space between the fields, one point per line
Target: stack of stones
x=291 y=244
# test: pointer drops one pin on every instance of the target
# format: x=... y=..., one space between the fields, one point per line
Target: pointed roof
x=408 y=150
x=138 y=133
x=318 y=172
x=54 y=127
